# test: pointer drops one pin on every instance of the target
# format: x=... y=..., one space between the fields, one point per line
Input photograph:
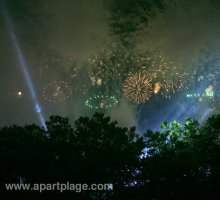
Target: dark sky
x=55 y=35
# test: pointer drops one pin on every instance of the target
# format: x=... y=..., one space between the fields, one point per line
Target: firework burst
x=137 y=87
x=166 y=78
x=101 y=102
x=109 y=68
x=57 y=91
x=106 y=71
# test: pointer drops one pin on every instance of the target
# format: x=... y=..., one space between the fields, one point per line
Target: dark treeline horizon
x=181 y=161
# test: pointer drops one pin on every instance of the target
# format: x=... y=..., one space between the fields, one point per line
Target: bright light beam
x=24 y=66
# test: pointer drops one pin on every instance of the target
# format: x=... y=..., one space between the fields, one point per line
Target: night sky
x=53 y=40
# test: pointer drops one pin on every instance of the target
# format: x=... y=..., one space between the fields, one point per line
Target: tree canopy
x=180 y=161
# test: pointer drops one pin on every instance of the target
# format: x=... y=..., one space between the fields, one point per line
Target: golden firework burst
x=137 y=88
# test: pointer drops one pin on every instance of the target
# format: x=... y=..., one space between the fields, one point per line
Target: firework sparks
x=57 y=91
x=166 y=77
x=108 y=70
x=137 y=87
x=156 y=88
x=101 y=102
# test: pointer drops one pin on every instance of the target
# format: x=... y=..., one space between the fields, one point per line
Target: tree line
x=181 y=161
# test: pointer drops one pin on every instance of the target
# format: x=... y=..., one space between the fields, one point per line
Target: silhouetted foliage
x=179 y=162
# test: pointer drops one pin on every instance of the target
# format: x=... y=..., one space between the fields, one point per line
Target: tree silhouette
x=179 y=162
